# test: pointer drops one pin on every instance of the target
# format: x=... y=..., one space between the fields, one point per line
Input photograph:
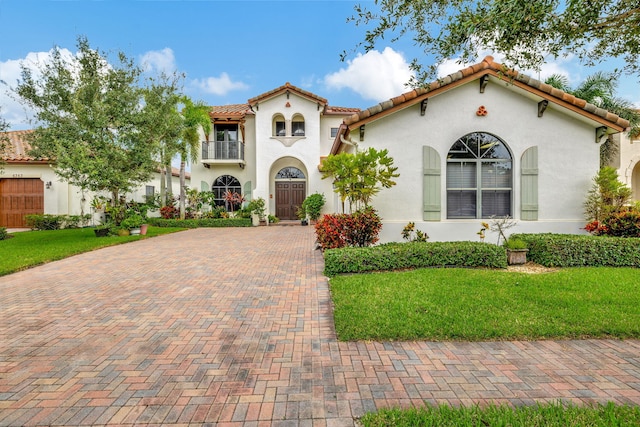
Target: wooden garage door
x=19 y=197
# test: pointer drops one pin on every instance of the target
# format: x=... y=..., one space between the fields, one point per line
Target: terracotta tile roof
x=340 y=110
x=490 y=67
x=231 y=111
x=18 y=148
x=287 y=87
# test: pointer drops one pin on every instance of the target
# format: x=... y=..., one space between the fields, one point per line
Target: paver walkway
x=234 y=327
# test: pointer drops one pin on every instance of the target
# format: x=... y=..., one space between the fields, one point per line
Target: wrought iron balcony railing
x=223 y=150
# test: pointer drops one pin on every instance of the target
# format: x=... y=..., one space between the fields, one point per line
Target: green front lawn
x=29 y=248
x=543 y=415
x=475 y=305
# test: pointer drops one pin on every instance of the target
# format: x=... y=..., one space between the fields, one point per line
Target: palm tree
x=196 y=116
x=599 y=89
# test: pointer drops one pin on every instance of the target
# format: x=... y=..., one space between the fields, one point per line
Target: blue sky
x=230 y=51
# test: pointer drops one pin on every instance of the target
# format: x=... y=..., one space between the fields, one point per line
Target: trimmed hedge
x=55 y=222
x=202 y=222
x=570 y=250
x=397 y=256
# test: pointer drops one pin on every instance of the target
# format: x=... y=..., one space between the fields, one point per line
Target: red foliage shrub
x=339 y=230
x=169 y=212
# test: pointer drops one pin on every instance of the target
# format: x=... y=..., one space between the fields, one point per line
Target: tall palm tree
x=599 y=89
x=196 y=116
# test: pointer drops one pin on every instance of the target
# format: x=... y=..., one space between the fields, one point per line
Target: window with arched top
x=297 y=125
x=479 y=177
x=279 y=125
x=290 y=173
x=223 y=184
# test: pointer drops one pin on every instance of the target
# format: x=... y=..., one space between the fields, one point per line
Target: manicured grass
x=29 y=248
x=547 y=415
x=476 y=305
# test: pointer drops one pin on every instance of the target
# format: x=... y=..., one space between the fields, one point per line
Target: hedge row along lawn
x=454 y=304
x=30 y=248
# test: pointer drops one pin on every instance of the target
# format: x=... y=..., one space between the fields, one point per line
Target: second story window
x=226 y=133
x=297 y=126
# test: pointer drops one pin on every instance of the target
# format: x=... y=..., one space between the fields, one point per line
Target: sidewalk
x=234 y=327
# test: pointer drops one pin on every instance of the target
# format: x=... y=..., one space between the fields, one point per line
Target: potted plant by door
x=258 y=209
x=301 y=213
x=516 y=251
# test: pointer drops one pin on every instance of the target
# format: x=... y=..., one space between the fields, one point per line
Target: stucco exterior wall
x=568 y=158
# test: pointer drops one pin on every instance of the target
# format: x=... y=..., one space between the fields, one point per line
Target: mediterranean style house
x=30 y=186
x=482 y=142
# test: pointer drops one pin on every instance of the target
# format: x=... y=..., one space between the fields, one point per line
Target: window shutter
x=529 y=185
x=247 y=191
x=431 y=184
x=204 y=186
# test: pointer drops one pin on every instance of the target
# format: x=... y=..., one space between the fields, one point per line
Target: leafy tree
x=360 y=176
x=607 y=195
x=163 y=123
x=90 y=115
x=600 y=89
x=4 y=140
x=524 y=30
x=196 y=116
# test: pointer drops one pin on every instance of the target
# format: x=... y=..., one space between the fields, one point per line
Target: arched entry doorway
x=290 y=183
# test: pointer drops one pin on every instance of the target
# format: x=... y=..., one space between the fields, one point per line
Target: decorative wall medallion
x=482 y=111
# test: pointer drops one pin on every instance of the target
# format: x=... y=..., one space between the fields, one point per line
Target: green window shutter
x=204 y=186
x=529 y=185
x=431 y=187
x=247 y=191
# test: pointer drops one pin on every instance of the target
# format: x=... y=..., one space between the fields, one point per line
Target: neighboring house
x=270 y=147
x=628 y=162
x=31 y=186
x=483 y=142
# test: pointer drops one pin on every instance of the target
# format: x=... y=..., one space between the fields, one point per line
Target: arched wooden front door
x=290 y=192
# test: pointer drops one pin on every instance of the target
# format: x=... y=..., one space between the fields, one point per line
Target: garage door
x=19 y=197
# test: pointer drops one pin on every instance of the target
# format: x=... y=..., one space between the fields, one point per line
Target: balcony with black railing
x=220 y=152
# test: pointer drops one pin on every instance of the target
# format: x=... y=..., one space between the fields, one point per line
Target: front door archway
x=290 y=192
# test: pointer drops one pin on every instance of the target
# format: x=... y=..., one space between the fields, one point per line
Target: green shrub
x=202 y=222
x=55 y=222
x=570 y=250
x=397 y=256
x=3 y=233
x=312 y=205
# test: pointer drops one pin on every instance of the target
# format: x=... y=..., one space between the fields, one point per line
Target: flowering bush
x=169 y=212
x=596 y=228
x=619 y=224
x=358 y=229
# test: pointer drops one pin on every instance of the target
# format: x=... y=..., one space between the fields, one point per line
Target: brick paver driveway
x=234 y=326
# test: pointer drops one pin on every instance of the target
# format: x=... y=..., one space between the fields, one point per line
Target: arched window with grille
x=479 y=177
x=221 y=185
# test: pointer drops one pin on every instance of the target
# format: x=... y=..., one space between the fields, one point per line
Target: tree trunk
x=163 y=187
x=169 y=185
x=182 y=183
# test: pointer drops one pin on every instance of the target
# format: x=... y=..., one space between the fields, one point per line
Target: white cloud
x=10 y=74
x=159 y=61
x=218 y=85
x=376 y=76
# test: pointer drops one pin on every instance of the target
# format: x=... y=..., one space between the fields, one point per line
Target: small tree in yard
x=360 y=176
x=4 y=140
x=90 y=114
x=606 y=196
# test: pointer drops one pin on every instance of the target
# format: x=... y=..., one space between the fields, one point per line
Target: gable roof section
x=19 y=147
x=487 y=67
x=231 y=112
x=283 y=89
